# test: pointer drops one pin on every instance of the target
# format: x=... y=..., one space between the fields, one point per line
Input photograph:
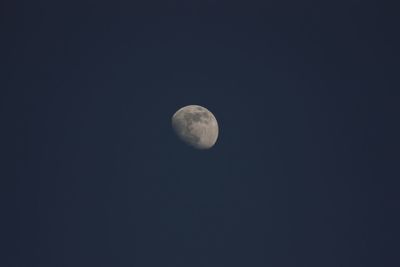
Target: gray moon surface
x=196 y=126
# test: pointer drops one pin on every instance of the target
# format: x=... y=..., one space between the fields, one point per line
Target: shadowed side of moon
x=196 y=126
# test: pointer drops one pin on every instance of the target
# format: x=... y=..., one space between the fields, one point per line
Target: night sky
x=303 y=172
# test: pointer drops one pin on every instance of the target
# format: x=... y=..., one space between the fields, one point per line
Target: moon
x=196 y=126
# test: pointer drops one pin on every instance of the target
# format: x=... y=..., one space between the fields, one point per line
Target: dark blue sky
x=302 y=173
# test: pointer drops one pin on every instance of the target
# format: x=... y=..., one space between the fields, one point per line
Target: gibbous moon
x=196 y=126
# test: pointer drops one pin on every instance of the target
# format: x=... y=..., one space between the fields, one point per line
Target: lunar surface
x=196 y=126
